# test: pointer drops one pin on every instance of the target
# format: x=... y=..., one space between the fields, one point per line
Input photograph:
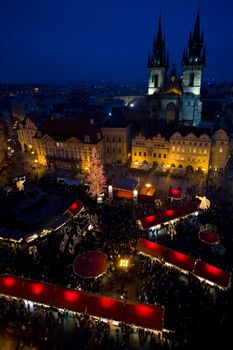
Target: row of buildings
x=68 y=143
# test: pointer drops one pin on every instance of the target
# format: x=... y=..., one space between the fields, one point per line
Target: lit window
x=194 y=150
x=220 y=150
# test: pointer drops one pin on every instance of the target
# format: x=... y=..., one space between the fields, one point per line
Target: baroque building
x=187 y=147
x=62 y=143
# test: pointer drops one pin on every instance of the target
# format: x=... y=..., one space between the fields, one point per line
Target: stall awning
x=212 y=274
x=146 y=316
x=37 y=292
x=75 y=208
x=105 y=307
x=10 y=285
x=179 y=260
x=70 y=299
x=175 y=193
x=149 y=248
x=168 y=215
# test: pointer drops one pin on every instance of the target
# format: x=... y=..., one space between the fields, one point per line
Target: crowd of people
x=196 y=314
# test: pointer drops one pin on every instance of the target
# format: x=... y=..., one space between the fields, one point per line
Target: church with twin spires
x=172 y=98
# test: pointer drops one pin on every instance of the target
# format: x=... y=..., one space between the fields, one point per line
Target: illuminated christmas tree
x=96 y=178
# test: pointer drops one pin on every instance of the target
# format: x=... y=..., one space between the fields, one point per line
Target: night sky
x=58 y=41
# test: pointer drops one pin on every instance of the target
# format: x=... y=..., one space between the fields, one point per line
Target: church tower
x=157 y=63
x=193 y=63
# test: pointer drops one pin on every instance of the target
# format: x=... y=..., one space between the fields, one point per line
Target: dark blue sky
x=89 y=40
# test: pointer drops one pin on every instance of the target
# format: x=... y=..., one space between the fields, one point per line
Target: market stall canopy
x=37 y=292
x=105 y=307
x=70 y=299
x=175 y=193
x=10 y=285
x=212 y=274
x=149 y=248
x=75 y=208
x=140 y=315
x=90 y=264
x=146 y=316
x=124 y=183
x=168 y=215
x=179 y=260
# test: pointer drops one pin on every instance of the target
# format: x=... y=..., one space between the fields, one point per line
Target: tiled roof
x=63 y=129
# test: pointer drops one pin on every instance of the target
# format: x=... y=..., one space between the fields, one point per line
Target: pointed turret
x=158 y=56
x=157 y=62
x=195 y=46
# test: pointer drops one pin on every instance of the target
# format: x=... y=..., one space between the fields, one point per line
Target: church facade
x=170 y=97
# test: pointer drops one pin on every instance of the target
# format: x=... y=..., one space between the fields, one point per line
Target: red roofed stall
x=179 y=260
x=105 y=307
x=75 y=208
x=38 y=292
x=149 y=248
x=70 y=299
x=212 y=274
x=10 y=285
x=175 y=193
x=140 y=315
x=168 y=215
x=146 y=316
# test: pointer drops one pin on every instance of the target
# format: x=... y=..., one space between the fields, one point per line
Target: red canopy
x=209 y=237
x=147 y=316
x=212 y=274
x=10 y=285
x=179 y=260
x=75 y=208
x=105 y=307
x=150 y=248
x=174 y=193
x=70 y=299
x=37 y=292
x=168 y=215
x=90 y=264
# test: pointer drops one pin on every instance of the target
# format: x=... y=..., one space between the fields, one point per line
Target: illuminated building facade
x=117 y=141
x=62 y=143
x=187 y=147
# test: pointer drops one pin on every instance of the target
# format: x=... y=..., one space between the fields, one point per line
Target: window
x=178 y=149
x=164 y=156
x=173 y=148
x=119 y=139
x=107 y=149
x=205 y=151
x=119 y=150
x=220 y=150
x=191 y=79
x=144 y=154
x=194 y=150
x=154 y=155
x=107 y=139
x=155 y=80
x=140 y=153
x=113 y=150
x=135 y=153
x=159 y=155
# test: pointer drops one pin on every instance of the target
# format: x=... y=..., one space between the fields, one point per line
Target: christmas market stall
x=212 y=275
x=164 y=217
x=175 y=194
x=147 y=193
x=123 y=187
x=95 y=305
x=75 y=208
